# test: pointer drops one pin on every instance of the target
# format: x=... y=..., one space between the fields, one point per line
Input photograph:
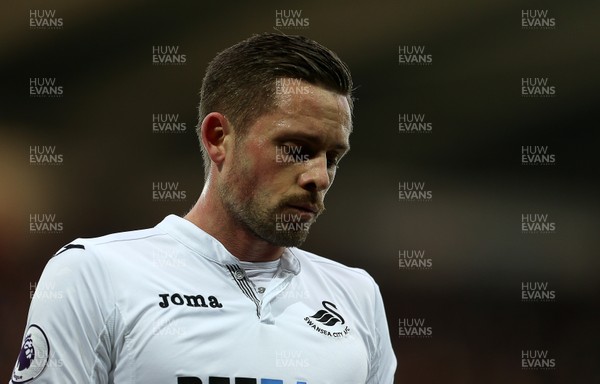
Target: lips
x=310 y=208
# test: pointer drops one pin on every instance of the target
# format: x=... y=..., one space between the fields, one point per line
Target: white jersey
x=171 y=305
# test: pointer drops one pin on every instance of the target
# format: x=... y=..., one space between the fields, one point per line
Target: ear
x=215 y=134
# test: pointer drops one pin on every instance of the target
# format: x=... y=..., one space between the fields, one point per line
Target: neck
x=211 y=216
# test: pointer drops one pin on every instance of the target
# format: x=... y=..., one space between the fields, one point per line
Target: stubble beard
x=248 y=206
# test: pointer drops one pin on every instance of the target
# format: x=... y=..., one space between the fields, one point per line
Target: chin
x=290 y=239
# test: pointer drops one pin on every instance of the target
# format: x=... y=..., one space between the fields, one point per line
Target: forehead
x=305 y=109
x=297 y=98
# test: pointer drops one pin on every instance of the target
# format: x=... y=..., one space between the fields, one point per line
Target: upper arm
x=70 y=325
x=383 y=360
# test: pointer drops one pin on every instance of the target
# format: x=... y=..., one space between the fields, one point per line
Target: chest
x=204 y=328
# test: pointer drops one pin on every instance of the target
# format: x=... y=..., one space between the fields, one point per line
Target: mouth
x=307 y=208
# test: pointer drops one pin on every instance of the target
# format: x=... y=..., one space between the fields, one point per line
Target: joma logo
x=189 y=300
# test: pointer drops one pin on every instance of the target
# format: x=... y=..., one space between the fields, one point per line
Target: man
x=223 y=295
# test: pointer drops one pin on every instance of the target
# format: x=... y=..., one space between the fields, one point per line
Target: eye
x=291 y=148
x=332 y=162
x=293 y=153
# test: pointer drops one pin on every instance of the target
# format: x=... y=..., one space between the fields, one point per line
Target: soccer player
x=223 y=295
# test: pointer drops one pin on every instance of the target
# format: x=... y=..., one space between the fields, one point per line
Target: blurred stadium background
x=471 y=161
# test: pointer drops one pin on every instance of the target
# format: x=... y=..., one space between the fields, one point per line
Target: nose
x=316 y=176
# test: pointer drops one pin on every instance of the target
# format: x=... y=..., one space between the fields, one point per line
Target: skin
x=250 y=188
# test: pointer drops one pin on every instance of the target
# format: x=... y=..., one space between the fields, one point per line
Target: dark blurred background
x=470 y=230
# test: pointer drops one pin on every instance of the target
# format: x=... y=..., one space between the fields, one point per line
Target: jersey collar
x=210 y=248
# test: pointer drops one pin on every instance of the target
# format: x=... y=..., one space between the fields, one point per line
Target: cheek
x=267 y=174
x=256 y=163
x=244 y=156
x=252 y=156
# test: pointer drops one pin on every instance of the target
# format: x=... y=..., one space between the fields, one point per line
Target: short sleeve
x=383 y=361
x=71 y=323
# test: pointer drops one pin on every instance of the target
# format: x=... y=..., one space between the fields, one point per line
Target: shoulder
x=94 y=258
x=107 y=245
x=114 y=239
x=322 y=266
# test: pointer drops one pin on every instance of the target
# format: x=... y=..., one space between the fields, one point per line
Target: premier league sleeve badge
x=33 y=357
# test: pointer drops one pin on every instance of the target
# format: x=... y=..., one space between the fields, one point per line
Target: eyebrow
x=310 y=138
